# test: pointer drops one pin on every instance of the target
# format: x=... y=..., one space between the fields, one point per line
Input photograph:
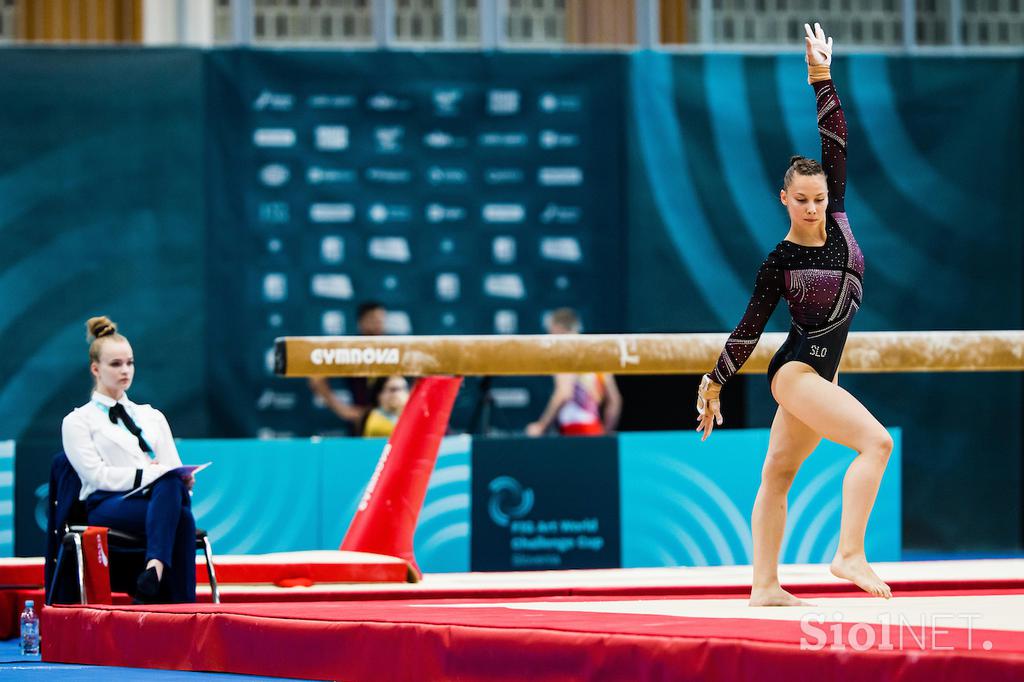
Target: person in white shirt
x=116 y=446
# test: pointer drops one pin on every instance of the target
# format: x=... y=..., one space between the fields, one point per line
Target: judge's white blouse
x=107 y=456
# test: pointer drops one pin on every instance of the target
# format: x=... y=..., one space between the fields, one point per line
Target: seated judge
x=116 y=445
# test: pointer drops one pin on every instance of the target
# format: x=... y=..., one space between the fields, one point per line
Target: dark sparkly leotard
x=822 y=284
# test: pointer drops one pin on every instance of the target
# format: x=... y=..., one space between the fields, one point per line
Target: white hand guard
x=819 y=54
x=708 y=398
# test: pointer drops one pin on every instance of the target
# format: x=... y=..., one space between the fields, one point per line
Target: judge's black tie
x=118 y=412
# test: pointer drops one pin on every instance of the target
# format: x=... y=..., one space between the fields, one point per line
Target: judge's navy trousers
x=164 y=517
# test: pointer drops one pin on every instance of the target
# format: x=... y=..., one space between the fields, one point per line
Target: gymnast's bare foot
x=855 y=568
x=774 y=596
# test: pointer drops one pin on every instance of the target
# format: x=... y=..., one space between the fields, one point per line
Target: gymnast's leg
x=832 y=412
x=789 y=444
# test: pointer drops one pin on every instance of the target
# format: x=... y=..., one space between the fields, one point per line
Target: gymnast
x=819 y=269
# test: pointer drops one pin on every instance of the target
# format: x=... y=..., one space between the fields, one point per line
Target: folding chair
x=67 y=532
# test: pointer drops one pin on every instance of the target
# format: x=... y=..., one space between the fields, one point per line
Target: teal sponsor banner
x=643 y=499
x=6 y=498
x=441 y=541
x=442 y=538
x=263 y=496
x=259 y=496
x=688 y=503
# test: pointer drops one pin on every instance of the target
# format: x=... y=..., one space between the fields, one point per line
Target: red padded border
x=421 y=639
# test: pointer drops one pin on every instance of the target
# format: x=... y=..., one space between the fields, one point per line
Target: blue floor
x=14 y=666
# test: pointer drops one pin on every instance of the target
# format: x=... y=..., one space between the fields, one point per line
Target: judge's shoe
x=147 y=587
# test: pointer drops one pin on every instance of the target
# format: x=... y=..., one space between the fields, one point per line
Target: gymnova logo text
x=355 y=356
x=364 y=503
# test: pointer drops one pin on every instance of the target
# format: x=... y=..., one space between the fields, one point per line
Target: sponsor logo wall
x=470 y=204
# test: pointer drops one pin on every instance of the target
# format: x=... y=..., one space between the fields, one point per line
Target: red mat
x=21 y=572
x=317 y=566
x=383 y=570
x=22 y=578
x=426 y=639
x=12 y=601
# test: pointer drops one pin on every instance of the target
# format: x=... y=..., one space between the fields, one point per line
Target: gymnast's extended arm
x=741 y=343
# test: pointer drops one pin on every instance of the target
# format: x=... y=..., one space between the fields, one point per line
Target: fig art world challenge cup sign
x=525 y=514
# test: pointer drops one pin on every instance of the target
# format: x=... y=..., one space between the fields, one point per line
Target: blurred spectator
x=370 y=317
x=390 y=394
x=577 y=400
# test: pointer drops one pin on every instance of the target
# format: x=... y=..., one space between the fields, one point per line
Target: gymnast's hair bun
x=801 y=165
x=98 y=327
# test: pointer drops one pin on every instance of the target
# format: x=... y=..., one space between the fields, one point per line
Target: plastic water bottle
x=29 y=630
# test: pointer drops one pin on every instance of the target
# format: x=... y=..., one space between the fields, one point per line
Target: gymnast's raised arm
x=831 y=122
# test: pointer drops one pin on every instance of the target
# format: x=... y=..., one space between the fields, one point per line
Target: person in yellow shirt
x=389 y=396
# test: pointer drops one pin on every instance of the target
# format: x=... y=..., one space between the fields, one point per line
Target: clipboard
x=183 y=472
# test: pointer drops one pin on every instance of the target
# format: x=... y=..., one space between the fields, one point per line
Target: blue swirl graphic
x=804 y=500
x=827 y=517
x=872 y=91
x=664 y=154
x=742 y=165
x=669 y=505
x=506 y=490
x=443 y=529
